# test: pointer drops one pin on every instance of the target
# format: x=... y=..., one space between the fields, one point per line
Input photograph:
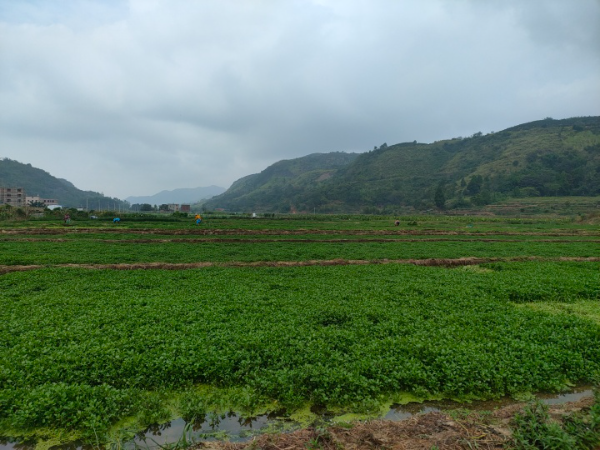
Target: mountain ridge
x=541 y=158
x=180 y=195
x=37 y=181
x=280 y=180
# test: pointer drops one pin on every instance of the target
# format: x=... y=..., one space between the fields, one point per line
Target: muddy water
x=238 y=428
x=232 y=426
x=215 y=426
x=401 y=412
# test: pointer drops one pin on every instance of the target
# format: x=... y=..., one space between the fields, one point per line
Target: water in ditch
x=234 y=427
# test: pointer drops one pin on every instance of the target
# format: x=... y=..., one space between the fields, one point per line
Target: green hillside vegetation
x=537 y=159
x=39 y=182
x=273 y=188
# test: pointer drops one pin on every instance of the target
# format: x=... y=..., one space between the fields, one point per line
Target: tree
x=146 y=207
x=474 y=185
x=482 y=198
x=439 y=197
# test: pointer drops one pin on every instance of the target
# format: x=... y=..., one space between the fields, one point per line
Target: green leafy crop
x=83 y=348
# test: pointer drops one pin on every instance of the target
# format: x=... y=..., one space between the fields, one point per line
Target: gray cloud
x=130 y=98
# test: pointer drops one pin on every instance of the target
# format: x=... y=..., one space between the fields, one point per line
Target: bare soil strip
x=421 y=432
x=262 y=241
x=446 y=262
x=241 y=232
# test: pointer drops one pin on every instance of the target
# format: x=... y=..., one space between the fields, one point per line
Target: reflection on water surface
x=235 y=427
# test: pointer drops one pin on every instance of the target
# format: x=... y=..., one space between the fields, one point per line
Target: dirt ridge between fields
x=446 y=262
x=260 y=241
x=243 y=232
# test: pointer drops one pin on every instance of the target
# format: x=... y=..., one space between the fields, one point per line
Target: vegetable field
x=104 y=327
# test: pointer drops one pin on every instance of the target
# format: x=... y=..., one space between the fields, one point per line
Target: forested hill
x=542 y=158
x=273 y=188
x=39 y=182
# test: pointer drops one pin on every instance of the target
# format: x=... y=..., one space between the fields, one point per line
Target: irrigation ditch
x=427 y=425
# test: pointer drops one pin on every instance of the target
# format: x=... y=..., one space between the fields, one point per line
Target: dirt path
x=421 y=432
x=332 y=262
x=286 y=240
x=242 y=232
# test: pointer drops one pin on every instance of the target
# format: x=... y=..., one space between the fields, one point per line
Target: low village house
x=38 y=200
x=174 y=207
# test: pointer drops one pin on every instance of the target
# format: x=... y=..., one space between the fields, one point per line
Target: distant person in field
x=396 y=223
x=198 y=219
x=67 y=219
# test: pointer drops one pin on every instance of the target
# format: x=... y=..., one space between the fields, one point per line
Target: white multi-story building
x=38 y=199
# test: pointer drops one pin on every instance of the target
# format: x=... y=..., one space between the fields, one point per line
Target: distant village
x=17 y=197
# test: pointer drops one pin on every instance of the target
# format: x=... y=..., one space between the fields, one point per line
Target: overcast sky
x=135 y=97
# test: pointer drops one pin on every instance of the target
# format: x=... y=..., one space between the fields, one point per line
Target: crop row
x=300 y=235
x=80 y=347
x=98 y=252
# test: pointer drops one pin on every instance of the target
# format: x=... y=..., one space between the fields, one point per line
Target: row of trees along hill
x=542 y=158
x=37 y=182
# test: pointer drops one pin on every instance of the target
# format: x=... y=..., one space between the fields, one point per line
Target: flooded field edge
x=233 y=427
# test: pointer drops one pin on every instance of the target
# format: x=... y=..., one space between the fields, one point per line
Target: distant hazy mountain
x=542 y=158
x=39 y=182
x=183 y=195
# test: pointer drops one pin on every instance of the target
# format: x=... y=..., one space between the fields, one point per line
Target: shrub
x=533 y=429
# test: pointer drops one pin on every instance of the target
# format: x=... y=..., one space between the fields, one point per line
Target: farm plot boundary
x=432 y=262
